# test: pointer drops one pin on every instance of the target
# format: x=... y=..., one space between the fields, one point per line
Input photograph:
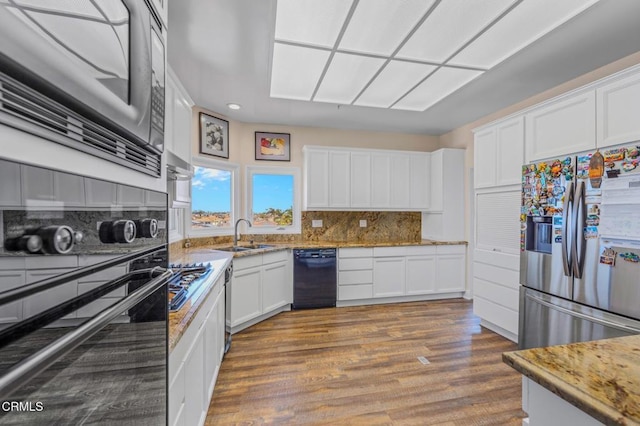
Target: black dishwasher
x=314 y=278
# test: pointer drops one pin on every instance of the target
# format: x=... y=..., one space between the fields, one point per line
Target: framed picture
x=273 y=146
x=214 y=136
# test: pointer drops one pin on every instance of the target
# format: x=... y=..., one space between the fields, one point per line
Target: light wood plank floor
x=359 y=366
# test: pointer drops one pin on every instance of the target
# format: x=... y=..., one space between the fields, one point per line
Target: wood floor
x=359 y=366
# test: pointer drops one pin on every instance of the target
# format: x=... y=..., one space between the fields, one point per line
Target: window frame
x=235 y=198
x=294 y=228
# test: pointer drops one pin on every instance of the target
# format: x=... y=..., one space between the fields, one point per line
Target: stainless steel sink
x=245 y=248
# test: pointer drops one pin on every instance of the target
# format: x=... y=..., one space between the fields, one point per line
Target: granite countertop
x=601 y=377
x=180 y=320
x=276 y=246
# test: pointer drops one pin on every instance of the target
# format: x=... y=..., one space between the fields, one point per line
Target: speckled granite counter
x=331 y=244
x=179 y=321
x=602 y=377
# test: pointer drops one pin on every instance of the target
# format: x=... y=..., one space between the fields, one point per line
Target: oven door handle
x=30 y=367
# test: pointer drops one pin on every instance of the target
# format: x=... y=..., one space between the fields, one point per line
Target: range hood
x=177 y=168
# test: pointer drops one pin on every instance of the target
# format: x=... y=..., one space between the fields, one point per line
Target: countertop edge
x=180 y=321
x=564 y=390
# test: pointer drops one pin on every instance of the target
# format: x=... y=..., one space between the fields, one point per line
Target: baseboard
x=501 y=331
x=400 y=299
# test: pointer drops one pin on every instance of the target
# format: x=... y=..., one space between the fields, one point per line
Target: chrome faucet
x=235 y=233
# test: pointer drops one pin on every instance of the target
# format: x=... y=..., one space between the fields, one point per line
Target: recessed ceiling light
x=234 y=106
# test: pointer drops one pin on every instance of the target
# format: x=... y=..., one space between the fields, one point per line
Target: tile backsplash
x=339 y=226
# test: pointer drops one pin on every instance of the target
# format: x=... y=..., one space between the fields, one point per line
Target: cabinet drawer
x=355 y=252
x=389 y=251
x=47 y=262
x=245 y=262
x=355 y=277
x=86 y=286
x=355 y=264
x=451 y=249
x=420 y=250
x=275 y=256
x=352 y=292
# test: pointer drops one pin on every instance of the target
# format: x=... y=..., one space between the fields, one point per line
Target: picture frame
x=272 y=146
x=214 y=136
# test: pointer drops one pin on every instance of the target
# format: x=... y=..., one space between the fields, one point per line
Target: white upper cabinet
x=361 y=179
x=316 y=179
x=437 y=181
x=510 y=152
x=380 y=180
x=499 y=154
x=419 y=181
x=355 y=179
x=485 y=158
x=400 y=184
x=561 y=127
x=618 y=106
x=339 y=177
x=178 y=118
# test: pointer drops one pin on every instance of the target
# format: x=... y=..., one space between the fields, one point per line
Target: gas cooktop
x=184 y=282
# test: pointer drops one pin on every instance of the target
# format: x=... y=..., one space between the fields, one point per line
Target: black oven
x=83 y=300
x=91 y=71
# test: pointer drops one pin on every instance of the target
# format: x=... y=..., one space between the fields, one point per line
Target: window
x=213 y=197
x=273 y=200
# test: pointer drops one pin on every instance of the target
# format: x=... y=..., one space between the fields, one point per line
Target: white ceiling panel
x=379 y=26
x=449 y=27
x=310 y=21
x=396 y=79
x=440 y=84
x=346 y=76
x=296 y=71
x=529 y=21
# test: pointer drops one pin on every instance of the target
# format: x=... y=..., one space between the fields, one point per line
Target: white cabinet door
x=437 y=181
x=339 y=174
x=388 y=276
x=400 y=181
x=10 y=191
x=316 y=179
x=420 y=181
x=450 y=275
x=380 y=181
x=195 y=404
x=9 y=280
x=276 y=291
x=510 y=152
x=618 y=105
x=178 y=119
x=245 y=295
x=560 y=127
x=211 y=353
x=220 y=310
x=360 y=179
x=421 y=274
x=485 y=154
x=176 y=397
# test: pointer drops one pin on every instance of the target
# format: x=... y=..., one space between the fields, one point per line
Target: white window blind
x=498 y=221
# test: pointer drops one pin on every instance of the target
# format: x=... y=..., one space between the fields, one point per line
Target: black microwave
x=101 y=62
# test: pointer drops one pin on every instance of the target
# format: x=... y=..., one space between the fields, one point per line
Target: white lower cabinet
x=400 y=273
x=262 y=285
x=11 y=312
x=195 y=361
x=388 y=276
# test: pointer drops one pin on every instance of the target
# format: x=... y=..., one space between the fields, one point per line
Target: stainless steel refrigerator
x=580 y=248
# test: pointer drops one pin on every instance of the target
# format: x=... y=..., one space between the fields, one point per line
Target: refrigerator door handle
x=579 y=222
x=568 y=206
x=580 y=315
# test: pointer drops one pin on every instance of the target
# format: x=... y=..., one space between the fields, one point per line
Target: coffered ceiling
x=414 y=66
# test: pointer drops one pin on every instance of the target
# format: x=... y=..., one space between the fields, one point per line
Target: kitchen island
x=600 y=378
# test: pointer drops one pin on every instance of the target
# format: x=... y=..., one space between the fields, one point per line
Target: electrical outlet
x=363 y=223
x=316 y=223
